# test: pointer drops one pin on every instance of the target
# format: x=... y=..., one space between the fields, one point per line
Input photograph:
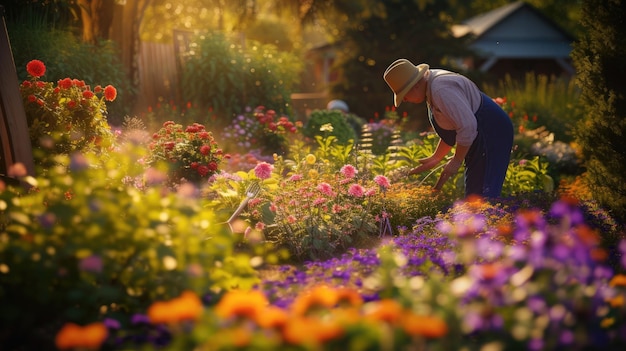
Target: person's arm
x=428 y=163
x=453 y=166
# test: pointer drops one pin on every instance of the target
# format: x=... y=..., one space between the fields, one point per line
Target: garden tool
x=251 y=192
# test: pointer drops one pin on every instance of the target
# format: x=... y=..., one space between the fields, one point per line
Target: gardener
x=461 y=115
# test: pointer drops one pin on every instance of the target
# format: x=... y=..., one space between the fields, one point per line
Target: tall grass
x=554 y=101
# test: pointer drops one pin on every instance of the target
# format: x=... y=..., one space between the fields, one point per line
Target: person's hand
x=450 y=169
x=425 y=164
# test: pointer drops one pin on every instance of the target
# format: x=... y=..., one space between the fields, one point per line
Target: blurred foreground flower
x=73 y=336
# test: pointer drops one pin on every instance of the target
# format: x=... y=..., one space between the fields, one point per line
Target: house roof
x=516 y=30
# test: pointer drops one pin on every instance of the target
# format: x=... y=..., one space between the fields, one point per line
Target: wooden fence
x=158 y=75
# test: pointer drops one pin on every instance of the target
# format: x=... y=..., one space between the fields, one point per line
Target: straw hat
x=401 y=76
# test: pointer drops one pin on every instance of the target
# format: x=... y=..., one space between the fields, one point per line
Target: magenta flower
x=326 y=189
x=263 y=170
x=295 y=177
x=348 y=171
x=92 y=263
x=356 y=190
x=382 y=181
x=319 y=201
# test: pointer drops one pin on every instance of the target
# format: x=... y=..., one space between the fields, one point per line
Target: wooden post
x=14 y=139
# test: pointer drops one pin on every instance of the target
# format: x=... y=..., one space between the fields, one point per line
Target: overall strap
x=448 y=136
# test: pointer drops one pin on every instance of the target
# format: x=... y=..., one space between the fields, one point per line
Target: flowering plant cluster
x=260 y=129
x=65 y=116
x=477 y=277
x=191 y=152
x=318 y=213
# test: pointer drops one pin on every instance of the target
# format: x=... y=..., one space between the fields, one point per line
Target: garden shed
x=515 y=39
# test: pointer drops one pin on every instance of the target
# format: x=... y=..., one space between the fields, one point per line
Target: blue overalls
x=488 y=158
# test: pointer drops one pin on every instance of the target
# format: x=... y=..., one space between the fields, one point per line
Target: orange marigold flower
x=187 y=306
x=110 y=93
x=309 y=330
x=36 y=68
x=272 y=317
x=349 y=297
x=618 y=280
x=426 y=326
x=386 y=310
x=239 y=303
x=320 y=296
x=617 y=301
x=73 y=336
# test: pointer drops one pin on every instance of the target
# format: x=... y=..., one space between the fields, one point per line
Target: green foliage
x=598 y=57
x=225 y=76
x=526 y=176
x=190 y=153
x=84 y=244
x=66 y=117
x=66 y=56
x=540 y=101
x=327 y=123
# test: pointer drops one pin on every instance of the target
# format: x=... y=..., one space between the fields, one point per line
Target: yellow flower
x=310 y=159
x=313 y=174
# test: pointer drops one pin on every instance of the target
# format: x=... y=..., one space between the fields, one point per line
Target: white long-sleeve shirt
x=454 y=99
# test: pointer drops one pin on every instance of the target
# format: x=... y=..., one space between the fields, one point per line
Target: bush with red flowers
x=261 y=131
x=65 y=116
x=191 y=153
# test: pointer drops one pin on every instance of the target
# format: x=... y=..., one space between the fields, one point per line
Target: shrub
x=227 y=76
x=65 y=117
x=261 y=130
x=405 y=202
x=191 y=153
x=67 y=56
x=319 y=215
x=598 y=59
x=83 y=245
x=327 y=123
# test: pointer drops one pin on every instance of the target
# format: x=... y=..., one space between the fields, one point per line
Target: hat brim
x=419 y=74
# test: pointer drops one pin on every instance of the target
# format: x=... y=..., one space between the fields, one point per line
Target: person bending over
x=462 y=115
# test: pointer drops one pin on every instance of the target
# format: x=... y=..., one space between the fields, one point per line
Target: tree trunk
x=125 y=24
x=97 y=16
